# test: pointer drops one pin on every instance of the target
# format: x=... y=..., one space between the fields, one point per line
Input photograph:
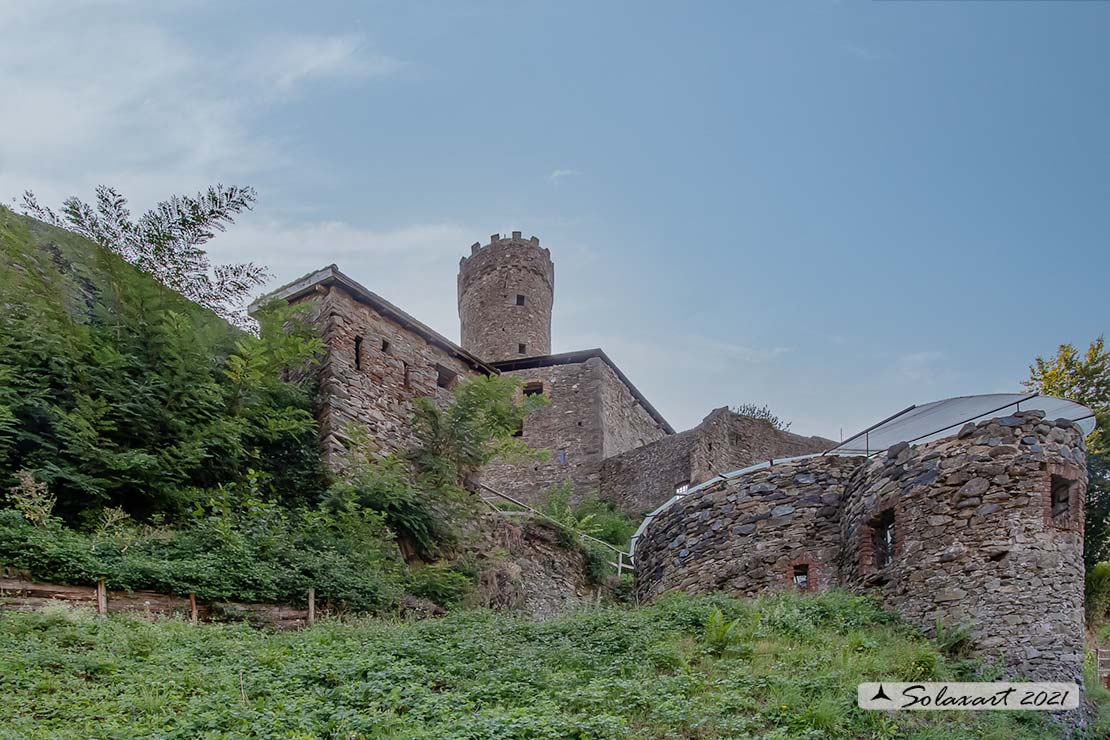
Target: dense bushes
x=790 y=672
x=117 y=392
x=258 y=552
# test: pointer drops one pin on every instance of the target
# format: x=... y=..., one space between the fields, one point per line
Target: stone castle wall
x=395 y=365
x=745 y=535
x=589 y=408
x=495 y=326
x=975 y=539
x=976 y=536
x=640 y=480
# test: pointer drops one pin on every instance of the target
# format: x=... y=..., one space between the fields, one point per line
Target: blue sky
x=834 y=208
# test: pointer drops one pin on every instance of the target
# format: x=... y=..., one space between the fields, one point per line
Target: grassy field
x=787 y=669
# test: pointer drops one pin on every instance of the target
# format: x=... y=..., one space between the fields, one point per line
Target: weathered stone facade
x=639 y=480
x=377 y=360
x=983 y=528
x=506 y=290
x=591 y=411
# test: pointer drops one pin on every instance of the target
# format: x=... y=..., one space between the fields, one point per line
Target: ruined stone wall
x=495 y=323
x=569 y=428
x=746 y=535
x=976 y=541
x=728 y=441
x=983 y=528
x=640 y=480
x=396 y=365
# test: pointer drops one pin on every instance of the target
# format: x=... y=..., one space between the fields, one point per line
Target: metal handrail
x=624 y=560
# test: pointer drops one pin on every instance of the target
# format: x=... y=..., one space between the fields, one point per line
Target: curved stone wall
x=745 y=535
x=983 y=528
x=976 y=541
x=506 y=290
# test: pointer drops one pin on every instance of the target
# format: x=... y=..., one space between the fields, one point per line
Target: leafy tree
x=763 y=413
x=167 y=241
x=1084 y=377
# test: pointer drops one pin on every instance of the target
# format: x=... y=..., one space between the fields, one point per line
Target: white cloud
x=289 y=61
x=108 y=93
x=861 y=52
x=557 y=175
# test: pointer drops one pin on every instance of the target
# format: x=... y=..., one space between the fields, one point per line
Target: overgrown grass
x=607 y=673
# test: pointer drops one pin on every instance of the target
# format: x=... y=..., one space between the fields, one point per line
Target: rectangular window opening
x=682 y=488
x=533 y=389
x=408 y=375
x=801 y=577
x=445 y=377
x=1061 y=496
x=882 y=531
x=385 y=345
x=519 y=300
x=521 y=348
x=358 y=353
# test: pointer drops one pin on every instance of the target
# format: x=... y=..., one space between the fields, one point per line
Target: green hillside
x=656 y=671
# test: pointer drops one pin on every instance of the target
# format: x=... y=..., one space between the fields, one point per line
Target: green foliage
x=762 y=413
x=117 y=392
x=1085 y=378
x=1098 y=593
x=32 y=499
x=952 y=640
x=441 y=583
x=602 y=673
x=167 y=241
x=605 y=521
x=556 y=505
x=478 y=425
x=721 y=635
x=241 y=550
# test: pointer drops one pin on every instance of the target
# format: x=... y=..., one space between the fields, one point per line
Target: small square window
x=1061 y=496
x=801 y=577
x=533 y=389
x=521 y=348
x=882 y=538
x=445 y=377
x=519 y=300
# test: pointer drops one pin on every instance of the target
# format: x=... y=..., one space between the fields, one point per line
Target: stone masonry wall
x=396 y=365
x=625 y=423
x=976 y=541
x=569 y=428
x=745 y=535
x=588 y=405
x=494 y=325
x=983 y=528
x=640 y=480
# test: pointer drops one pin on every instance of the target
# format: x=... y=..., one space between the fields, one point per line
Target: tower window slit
x=358 y=353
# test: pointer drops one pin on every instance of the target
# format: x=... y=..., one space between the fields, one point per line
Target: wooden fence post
x=193 y=617
x=311 y=606
x=101 y=598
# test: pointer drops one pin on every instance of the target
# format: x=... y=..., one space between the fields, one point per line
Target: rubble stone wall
x=643 y=478
x=976 y=542
x=745 y=535
x=978 y=536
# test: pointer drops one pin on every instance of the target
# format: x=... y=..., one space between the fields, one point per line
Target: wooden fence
x=22 y=594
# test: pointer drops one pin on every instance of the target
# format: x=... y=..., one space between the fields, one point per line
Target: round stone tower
x=506 y=289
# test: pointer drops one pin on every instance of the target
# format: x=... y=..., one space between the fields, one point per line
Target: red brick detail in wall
x=1072 y=520
x=866 y=533
x=814 y=576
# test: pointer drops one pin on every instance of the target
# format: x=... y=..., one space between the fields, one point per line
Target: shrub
x=1098 y=593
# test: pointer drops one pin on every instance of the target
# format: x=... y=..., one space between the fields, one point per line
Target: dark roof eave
x=331 y=275
x=571 y=358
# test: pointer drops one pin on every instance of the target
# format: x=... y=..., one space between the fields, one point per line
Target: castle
x=600 y=431
x=981 y=525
